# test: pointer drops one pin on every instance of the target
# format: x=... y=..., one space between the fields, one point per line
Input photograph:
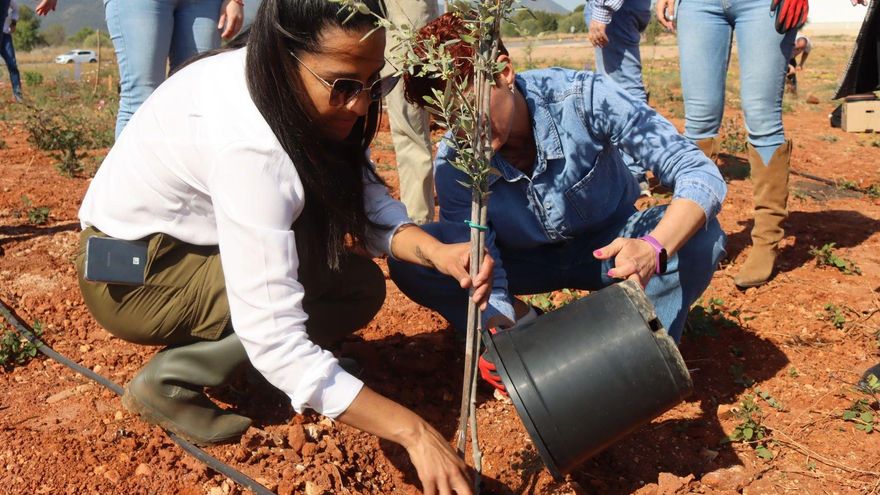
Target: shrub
x=61 y=134
x=32 y=78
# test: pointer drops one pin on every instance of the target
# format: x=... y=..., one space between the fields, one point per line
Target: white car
x=77 y=56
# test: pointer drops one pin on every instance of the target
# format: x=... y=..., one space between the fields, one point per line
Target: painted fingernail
x=610 y=274
x=597 y=252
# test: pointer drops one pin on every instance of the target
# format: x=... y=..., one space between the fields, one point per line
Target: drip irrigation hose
x=212 y=462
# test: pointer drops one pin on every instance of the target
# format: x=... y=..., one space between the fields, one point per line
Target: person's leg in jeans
x=763 y=55
x=704 y=39
x=141 y=34
x=621 y=60
x=410 y=129
x=195 y=30
x=553 y=267
x=8 y=53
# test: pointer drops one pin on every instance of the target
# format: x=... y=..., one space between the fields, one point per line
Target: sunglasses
x=343 y=91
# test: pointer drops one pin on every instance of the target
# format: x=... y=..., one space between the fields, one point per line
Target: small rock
x=313 y=489
x=813 y=100
x=669 y=483
x=112 y=476
x=708 y=455
x=118 y=415
x=309 y=449
x=313 y=431
x=296 y=437
x=61 y=395
x=143 y=470
x=728 y=479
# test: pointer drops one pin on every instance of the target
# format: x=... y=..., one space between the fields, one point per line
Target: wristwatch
x=661 y=256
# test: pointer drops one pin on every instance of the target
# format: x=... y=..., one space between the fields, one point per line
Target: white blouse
x=198 y=162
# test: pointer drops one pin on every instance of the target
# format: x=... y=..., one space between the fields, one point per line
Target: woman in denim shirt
x=561 y=211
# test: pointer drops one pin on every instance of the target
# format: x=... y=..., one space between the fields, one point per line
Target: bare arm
x=439 y=468
x=414 y=245
x=636 y=260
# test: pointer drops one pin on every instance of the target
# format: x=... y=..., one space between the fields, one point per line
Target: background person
x=247 y=175
x=150 y=35
x=615 y=30
x=410 y=125
x=802 y=47
x=705 y=32
x=560 y=212
x=7 y=50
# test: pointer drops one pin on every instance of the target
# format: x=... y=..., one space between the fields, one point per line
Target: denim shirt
x=580 y=185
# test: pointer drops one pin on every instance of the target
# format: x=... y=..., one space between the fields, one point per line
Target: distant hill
x=74 y=15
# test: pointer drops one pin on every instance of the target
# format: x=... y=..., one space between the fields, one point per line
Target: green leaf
x=849 y=415
x=867 y=417
x=748 y=433
x=764 y=452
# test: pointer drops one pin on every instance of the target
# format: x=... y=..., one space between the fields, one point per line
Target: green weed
x=825 y=256
x=863 y=411
x=793 y=372
x=37 y=215
x=770 y=400
x=61 y=134
x=740 y=377
x=16 y=350
x=32 y=78
x=552 y=300
x=705 y=319
x=835 y=316
x=873 y=191
x=750 y=429
x=828 y=138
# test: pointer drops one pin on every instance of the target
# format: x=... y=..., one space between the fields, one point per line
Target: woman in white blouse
x=248 y=177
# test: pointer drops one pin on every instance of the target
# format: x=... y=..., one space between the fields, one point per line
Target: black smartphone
x=115 y=261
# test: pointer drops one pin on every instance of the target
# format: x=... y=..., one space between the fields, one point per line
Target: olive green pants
x=184 y=298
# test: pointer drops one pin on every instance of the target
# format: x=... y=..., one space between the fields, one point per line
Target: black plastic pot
x=585 y=375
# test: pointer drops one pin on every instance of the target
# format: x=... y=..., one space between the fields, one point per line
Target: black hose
x=212 y=462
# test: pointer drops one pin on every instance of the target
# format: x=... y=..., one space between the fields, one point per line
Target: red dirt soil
x=61 y=433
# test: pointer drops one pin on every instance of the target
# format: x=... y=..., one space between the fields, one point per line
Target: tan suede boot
x=770 y=184
x=710 y=147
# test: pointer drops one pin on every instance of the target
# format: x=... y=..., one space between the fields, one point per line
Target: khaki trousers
x=184 y=300
x=410 y=128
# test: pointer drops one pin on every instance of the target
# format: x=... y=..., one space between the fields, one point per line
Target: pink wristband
x=659 y=253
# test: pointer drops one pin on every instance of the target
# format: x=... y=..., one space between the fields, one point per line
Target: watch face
x=663 y=257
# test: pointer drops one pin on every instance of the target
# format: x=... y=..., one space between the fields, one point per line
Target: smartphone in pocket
x=115 y=261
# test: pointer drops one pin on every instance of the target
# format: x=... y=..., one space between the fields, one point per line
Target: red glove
x=790 y=14
x=489 y=372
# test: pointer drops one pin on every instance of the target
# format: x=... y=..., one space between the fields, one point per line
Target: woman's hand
x=45 y=6
x=231 y=18
x=665 y=11
x=454 y=260
x=440 y=470
x=634 y=259
x=597 y=34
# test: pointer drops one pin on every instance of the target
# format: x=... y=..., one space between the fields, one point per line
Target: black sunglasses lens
x=344 y=90
x=381 y=88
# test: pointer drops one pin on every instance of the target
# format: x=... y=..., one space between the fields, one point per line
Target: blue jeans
x=8 y=53
x=150 y=35
x=705 y=32
x=621 y=59
x=571 y=265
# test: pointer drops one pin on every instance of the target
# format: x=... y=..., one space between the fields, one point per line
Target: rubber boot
x=169 y=391
x=709 y=147
x=770 y=184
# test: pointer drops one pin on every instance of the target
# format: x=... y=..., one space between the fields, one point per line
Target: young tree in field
x=461 y=107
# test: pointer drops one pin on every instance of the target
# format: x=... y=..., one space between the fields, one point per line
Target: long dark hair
x=331 y=172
